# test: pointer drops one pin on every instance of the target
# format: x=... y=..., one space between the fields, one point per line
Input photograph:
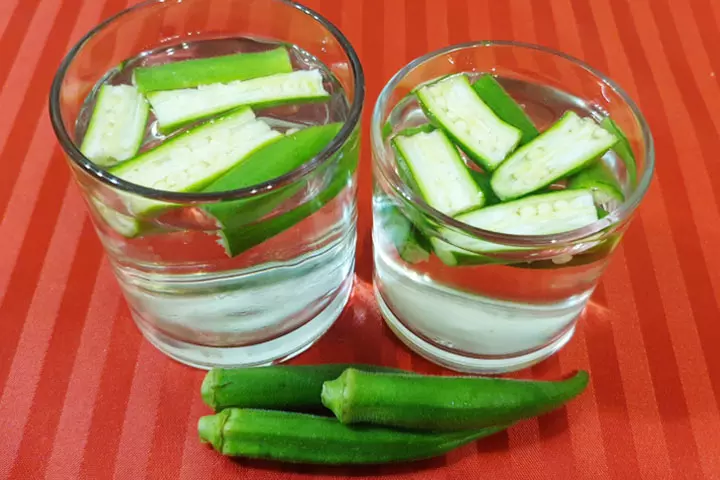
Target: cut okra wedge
x=566 y=147
x=431 y=164
x=452 y=104
x=273 y=160
x=205 y=71
x=544 y=214
x=193 y=159
x=622 y=148
x=236 y=241
x=117 y=125
x=604 y=186
x=505 y=107
x=175 y=108
x=411 y=245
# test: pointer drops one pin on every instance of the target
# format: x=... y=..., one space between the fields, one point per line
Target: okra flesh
x=195 y=158
x=566 y=147
x=455 y=106
x=117 y=125
x=438 y=172
x=543 y=214
x=505 y=107
x=174 y=108
x=443 y=403
x=302 y=438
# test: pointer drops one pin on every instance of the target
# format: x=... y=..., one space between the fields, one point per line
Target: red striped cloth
x=83 y=396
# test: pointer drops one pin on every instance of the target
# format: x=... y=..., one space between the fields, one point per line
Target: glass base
x=267 y=353
x=461 y=363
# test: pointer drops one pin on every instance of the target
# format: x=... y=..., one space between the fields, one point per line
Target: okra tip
x=579 y=380
x=209 y=387
x=210 y=429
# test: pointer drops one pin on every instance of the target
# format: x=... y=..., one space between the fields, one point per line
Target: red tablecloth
x=83 y=396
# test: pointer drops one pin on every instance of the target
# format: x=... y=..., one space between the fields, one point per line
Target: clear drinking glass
x=512 y=309
x=290 y=271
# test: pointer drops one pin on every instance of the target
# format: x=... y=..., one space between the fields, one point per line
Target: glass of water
x=504 y=176
x=216 y=143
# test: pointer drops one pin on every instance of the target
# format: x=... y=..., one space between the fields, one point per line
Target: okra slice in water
x=267 y=163
x=505 y=107
x=302 y=438
x=431 y=164
x=239 y=240
x=438 y=403
x=543 y=214
x=622 y=148
x=452 y=104
x=412 y=246
x=117 y=125
x=114 y=134
x=193 y=159
x=604 y=185
x=204 y=71
x=175 y=108
x=566 y=147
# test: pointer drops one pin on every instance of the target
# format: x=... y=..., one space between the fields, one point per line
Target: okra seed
x=528 y=211
x=560 y=205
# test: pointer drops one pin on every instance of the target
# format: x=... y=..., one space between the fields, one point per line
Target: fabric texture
x=84 y=396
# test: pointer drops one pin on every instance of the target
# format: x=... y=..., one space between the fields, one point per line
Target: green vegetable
x=505 y=107
x=204 y=71
x=412 y=246
x=622 y=148
x=431 y=164
x=302 y=438
x=117 y=125
x=604 y=185
x=269 y=162
x=195 y=158
x=483 y=182
x=542 y=214
x=175 y=108
x=452 y=104
x=566 y=147
x=340 y=169
x=276 y=387
x=443 y=403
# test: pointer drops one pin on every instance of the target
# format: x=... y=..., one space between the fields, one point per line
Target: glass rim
x=615 y=217
x=335 y=145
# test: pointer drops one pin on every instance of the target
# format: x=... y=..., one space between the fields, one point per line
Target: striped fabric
x=83 y=396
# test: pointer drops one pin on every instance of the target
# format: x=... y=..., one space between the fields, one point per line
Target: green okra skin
x=176 y=108
x=274 y=160
x=412 y=246
x=301 y=438
x=204 y=71
x=565 y=148
x=276 y=387
x=598 y=179
x=237 y=240
x=452 y=104
x=622 y=148
x=443 y=403
x=483 y=182
x=505 y=107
